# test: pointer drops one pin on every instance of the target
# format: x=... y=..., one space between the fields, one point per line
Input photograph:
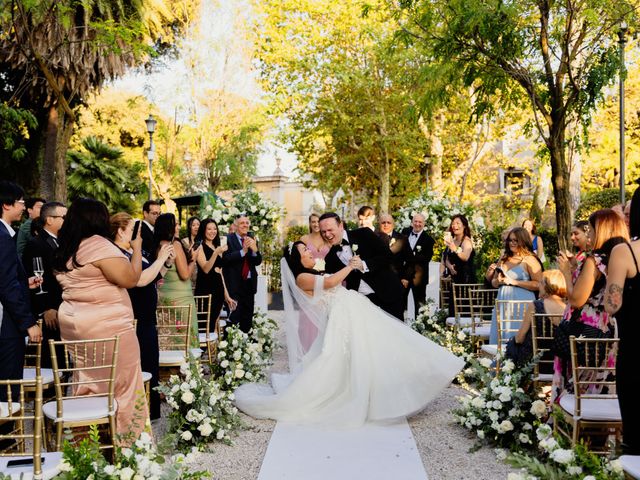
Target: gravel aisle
x=444 y=447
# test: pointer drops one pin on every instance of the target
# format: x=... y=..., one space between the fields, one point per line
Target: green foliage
x=491 y=251
x=550 y=240
x=16 y=129
x=295 y=232
x=595 y=200
x=99 y=172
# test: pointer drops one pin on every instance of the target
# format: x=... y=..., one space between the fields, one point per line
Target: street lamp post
x=622 y=33
x=151 y=127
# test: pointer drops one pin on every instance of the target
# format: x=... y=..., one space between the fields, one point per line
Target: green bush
x=592 y=201
x=550 y=239
x=491 y=251
x=295 y=232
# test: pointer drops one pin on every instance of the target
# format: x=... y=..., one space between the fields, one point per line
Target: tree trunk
x=560 y=182
x=47 y=174
x=65 y=131
x=385 y=181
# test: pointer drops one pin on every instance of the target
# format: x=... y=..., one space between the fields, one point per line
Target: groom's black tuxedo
x=388 y=291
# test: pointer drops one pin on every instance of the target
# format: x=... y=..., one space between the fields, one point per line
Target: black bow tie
x=414 y=234
x=344 y=242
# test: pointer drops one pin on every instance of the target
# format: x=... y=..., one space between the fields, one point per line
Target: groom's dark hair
x=330 y=215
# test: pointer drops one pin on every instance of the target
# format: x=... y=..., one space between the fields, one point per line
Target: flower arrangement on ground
x=201 y=411
x=85 y=461
x=430 y=323
x=240 y=360
x=502 y=412
x=263 y=333
x=438 y=211
x=556 y=460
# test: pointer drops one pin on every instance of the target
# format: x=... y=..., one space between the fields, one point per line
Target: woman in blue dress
x=516 y=275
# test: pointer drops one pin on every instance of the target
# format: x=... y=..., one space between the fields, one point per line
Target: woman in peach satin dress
x=94 y=275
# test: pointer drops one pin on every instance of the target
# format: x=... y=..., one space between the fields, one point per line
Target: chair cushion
x=29 y=373
x=211 y=338
x=79 y=409
x=605 y=409
x=544 y=377
x=50 y=466
x=222 y=323
x=631 y=465
x=171 y=358
x=146 y=377
x=482 y=331
x=196 y=353
x=4 y=409
x=490 y=349
x=451 y=321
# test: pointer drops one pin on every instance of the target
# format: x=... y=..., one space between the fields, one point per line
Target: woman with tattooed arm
x=622 y=299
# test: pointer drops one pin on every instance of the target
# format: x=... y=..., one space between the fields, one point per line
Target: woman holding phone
x=457 y=258
x=209 y=259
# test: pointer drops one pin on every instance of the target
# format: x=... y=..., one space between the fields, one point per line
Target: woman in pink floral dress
x=585 y=314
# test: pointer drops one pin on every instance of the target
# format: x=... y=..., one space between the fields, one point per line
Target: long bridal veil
x=305 y=318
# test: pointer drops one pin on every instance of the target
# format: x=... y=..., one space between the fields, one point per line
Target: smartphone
x=447 y=236
x=223 y=241
x=136 y=228
x=499 y=271
x=22 y=462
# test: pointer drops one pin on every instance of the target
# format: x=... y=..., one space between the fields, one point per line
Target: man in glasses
x=150 y=213
x=46 y=301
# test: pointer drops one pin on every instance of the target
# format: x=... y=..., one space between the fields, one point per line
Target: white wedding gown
x=364 y=366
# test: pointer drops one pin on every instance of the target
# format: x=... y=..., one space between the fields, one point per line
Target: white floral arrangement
x=555 y=460
x=240 y=360
x=430 y=323
x=140 y=461
x=263 y=333
x=438 y=211
x=502 y=412
x=201 y=411
x=212 y=206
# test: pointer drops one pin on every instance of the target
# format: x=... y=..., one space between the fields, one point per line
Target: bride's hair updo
x=292 y=255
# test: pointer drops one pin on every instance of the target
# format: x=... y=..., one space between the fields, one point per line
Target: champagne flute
x=38 y=270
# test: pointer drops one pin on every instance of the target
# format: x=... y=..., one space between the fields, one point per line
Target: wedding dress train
x=365 y=365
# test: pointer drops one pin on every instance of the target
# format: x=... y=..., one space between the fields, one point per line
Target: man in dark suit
x=400 y=250
x=374 y=277
x=17 y=320
x=240 y=274
x=44 y=245
x=150 y=213
x=421 y=252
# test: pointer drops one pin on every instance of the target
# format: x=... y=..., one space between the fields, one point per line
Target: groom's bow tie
x=344 y=242
x=414 y=234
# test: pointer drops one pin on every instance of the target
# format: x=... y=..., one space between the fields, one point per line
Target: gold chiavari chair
x=446 y=296
x=509 y=316
x=15 y=459
x=85 y=386
x=483 y=301
x=462 y=304
x=592 y=410
x=174 y=332
x=543 y=326
x=208 y=339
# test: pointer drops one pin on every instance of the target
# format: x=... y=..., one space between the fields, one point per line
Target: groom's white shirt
x=345 y=255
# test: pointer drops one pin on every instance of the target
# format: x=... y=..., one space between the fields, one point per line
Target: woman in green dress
x=176 y=289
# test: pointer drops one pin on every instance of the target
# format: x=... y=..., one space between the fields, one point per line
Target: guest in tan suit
x=94 y=275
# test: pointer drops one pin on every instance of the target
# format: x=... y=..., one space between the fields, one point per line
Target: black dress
x=465 y=272
x=211 y=283
x=144 y=301
x=627 y=377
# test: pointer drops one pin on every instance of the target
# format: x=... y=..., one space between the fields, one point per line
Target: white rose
x=574 y=470
x=485 y=362
x=239 y=373
x=506 y=426
x=524 y=438
x=563 y=456
x=505 y=396
x=64 y=466
x=188 y=397
x=543 y=431
x=205 y=429
x=508 y=366
x=220 y=434
x=480 y=434
x=461 y=335
x=538 y=408
x=616 y=466
x=224 y=363
x=493 y=416
x=223 y=344
x=478 y=402
x=126 y=473
x=186 y=435
x=109 y=469
x=497 y=405
x=589 y=477
x=249 y=375
x=548 y=444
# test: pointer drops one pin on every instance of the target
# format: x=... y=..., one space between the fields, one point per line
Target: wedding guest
x=144 y=300
x=536 y=241
x=208 y=280
x=33 y=206
x=588 y=317
x=94 y=275
x=46 y=303
x=193 y=224
x=16 y=320
x=313 y=240
x=421 y=253
x=627 y=214
x=517 y=274
x=176 y=289
x=622 y=299
x=150 y=213
x=366 y=217
x=551 y=301
x=240 y=274
x=457 y=258
x=399 y=246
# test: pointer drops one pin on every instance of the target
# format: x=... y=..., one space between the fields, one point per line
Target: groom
x=374 y=277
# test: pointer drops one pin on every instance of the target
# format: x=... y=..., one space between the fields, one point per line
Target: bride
x=364 y=364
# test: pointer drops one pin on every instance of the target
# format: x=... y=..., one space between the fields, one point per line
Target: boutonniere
x=419 y=248
x=319 y=266
x=393 y=240
x=354 y=248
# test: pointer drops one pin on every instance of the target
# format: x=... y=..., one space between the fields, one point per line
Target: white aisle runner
x=372 y=452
